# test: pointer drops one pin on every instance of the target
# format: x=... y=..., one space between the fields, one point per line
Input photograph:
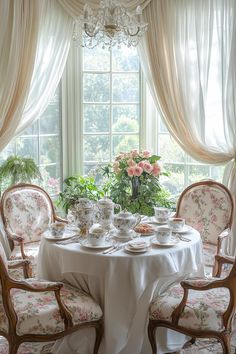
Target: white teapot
x=125 y=221
x=84 y=214
x=106 y=211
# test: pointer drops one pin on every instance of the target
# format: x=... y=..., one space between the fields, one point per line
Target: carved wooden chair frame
x=228 y=316
x=12 y=237
x=225 y=233
x=14 y=340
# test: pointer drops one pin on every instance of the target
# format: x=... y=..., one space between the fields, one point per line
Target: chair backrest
x=27 y=210
x=208 y=207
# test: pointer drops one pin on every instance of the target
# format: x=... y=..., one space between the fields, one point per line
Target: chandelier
x=111 y=25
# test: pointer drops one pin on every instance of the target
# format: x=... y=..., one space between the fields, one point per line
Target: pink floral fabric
x=31 y=250
x=38 y=312
x=203 y=311
x=28 y=213
x=26 y=348
x=207 y=209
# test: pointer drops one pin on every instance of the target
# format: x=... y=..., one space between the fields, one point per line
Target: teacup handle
x=137 y=220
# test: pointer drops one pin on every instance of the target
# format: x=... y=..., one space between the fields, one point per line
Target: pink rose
x=130 y=171
x=156 y=169
x=138 y=170
x=116 y=168
x=131 y=163
x=146 y=153
x=141 y=164
x=134 y=153
x=147 y=167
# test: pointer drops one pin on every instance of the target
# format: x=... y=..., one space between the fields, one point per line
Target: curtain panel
x=188 y=57
x=34 y=44
x=19 y=28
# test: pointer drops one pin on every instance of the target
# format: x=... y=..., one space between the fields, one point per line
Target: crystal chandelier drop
x=109 y=26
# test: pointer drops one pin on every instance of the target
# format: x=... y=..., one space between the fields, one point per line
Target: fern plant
x=18 y=169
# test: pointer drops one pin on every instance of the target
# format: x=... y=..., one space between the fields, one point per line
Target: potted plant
x=76 y=187
x=18 y=169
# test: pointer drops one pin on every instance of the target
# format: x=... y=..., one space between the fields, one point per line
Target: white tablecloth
x=123 y=284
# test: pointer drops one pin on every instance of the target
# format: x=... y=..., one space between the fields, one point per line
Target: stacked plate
x=138 y=246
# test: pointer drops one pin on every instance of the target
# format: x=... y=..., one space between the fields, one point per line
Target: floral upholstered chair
x=203 y=308
x=208 y=207
x=27 y=211
x=33 y=310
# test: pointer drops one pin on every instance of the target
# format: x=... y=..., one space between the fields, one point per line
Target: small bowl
x=57 y=229
x=163 y=234
x=176 y=224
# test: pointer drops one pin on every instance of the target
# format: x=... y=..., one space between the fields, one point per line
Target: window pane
x=124 y=143
x=10 y=149
x=51 y=178
x=217 y=173
x=50 y=151
x=96 y=87
x=96 y=59
x=96 y=118
x=198 y=173
x=32 y=129
x=126 y=118
x=176 y=181
x=169 y=149
x=125 y=88
x=49 y=122
x=125 y=59
x=27 y=147
x=96 y=148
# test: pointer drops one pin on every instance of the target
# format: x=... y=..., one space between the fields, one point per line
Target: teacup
x=162 y=214
x=96 y=236
x=57 y=229
x=176 y=224
x=163 y=234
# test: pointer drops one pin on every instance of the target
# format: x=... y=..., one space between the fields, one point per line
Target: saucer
x=66 y=235
x=173 y=242
x=186 y=228
x=136 y=250
x=124 y=236
x=106 y=244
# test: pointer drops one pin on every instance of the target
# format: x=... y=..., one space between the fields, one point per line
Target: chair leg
x=99 y=334
x=151 y=336
x=225 y=342
x=13 y=347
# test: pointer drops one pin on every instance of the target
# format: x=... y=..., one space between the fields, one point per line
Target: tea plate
x=173 y=242
x=106 y=244
x=136 y=250
x=186 y=228
x=66 y=235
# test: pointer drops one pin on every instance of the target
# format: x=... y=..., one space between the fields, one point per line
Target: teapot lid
x=124 y=214
x=97 y=229
x=105 y=201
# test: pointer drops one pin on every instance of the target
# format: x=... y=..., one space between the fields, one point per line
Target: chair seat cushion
x=38 y=312
x=203 y=311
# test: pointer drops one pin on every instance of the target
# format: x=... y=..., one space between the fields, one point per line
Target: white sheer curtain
x=34 y=44
x=188 y=56
x=51 y=55
x=19 y=30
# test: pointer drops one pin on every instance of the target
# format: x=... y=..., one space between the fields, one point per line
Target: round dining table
x=123 y=283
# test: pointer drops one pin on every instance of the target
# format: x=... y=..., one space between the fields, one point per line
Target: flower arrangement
x=133 y=182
